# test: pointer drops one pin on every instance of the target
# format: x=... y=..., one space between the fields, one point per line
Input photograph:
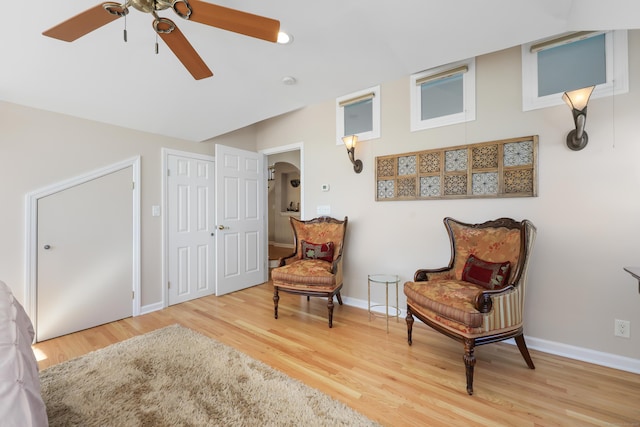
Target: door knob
x=47 y=247
x=222 y=227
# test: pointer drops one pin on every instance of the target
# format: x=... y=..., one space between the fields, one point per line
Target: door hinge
x=133 y=185
x=168 y=172
x=133 y=295
x=168 y=285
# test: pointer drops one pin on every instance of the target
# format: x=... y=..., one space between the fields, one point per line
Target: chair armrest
x=484 y=300
x=426 y=274
x=287 y=259
x=336 y=264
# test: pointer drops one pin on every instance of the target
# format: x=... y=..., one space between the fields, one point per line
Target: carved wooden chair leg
x=409 y=320
x=339 y=298
x=469 y=362
x=522 y=346
x=276 y=298
x=330 y=309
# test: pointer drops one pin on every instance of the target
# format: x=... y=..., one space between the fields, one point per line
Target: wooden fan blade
x=183 y=50
x=81 y=24
x=234 y=20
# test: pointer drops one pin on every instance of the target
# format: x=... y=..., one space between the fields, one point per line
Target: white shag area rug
x=177 y=377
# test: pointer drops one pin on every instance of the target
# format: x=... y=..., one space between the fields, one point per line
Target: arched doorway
x=283 y=203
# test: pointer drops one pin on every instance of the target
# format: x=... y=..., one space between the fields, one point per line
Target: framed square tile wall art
x=505 y=168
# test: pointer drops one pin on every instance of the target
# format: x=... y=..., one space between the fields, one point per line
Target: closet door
x=85 y=255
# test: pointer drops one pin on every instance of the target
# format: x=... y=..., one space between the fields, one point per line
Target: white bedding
x=21 y=404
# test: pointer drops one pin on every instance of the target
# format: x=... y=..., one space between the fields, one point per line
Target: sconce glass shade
x=578 y=99
x=350 y=142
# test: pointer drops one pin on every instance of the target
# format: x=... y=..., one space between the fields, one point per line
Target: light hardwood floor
x=379 y=374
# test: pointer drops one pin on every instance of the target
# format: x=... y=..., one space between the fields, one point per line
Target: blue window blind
x=442 y=97
x=572 y=66
x=358 y=117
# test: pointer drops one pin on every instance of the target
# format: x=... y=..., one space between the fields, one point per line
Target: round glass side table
x=386 y=279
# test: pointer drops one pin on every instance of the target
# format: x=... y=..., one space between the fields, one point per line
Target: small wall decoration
x=505 y=168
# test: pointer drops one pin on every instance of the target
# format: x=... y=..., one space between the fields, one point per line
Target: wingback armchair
x=314 y=269
x=479 y=297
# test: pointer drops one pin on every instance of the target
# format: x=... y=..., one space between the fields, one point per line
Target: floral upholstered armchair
x=479 y=297
x=315 y=268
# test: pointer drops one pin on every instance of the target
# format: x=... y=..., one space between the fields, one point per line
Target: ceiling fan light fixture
x=284 y=38
x=115 y=9
x=206 y=13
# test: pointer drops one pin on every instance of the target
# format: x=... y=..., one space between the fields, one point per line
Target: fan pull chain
x=157 y=43
x=125 y=28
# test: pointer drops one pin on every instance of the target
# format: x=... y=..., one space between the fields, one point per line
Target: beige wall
x=39 y=148
x=587 y=212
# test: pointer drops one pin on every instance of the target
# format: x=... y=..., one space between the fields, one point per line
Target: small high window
x=573 y=61
x=359 y=114
x=444 y=95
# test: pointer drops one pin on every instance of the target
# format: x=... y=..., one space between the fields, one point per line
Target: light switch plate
x=155 y=210
x=323 y=210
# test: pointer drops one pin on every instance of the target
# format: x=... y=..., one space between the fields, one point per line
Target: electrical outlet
x=622 y=328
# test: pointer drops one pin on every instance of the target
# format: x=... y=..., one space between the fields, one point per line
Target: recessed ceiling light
x=289 y=81
x=284 y=38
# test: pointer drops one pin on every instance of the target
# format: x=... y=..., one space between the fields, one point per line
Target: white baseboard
x=151 y=308
x=559 y=349
x=584 y=354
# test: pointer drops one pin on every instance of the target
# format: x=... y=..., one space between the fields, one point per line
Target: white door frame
x=298 y=146
x=165 y=153
x=31 y=230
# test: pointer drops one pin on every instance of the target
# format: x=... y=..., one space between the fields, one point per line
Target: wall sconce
x=350 y=143
x=577 y=100
x=271 y=176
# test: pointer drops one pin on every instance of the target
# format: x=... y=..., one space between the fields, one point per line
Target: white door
x=190 y=221
x=241 y=260
x=85 y=255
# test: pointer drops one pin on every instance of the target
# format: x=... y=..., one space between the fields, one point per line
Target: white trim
x=164 y=200
x=31 y=230
x=468 y=113
x=146 y=309
x=600 y=358
x=617 y=63
x=584 y=354
x=362 y=136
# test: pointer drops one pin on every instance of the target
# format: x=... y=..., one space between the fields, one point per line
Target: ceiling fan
x=192 y=10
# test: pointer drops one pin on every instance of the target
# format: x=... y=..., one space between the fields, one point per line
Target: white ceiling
x=340 y=46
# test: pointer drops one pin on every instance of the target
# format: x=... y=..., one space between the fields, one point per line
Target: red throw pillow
x=322 y=251
x=490 y=275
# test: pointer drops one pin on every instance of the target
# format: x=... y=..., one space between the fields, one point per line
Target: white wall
x=587 y=212
x=39 y=148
